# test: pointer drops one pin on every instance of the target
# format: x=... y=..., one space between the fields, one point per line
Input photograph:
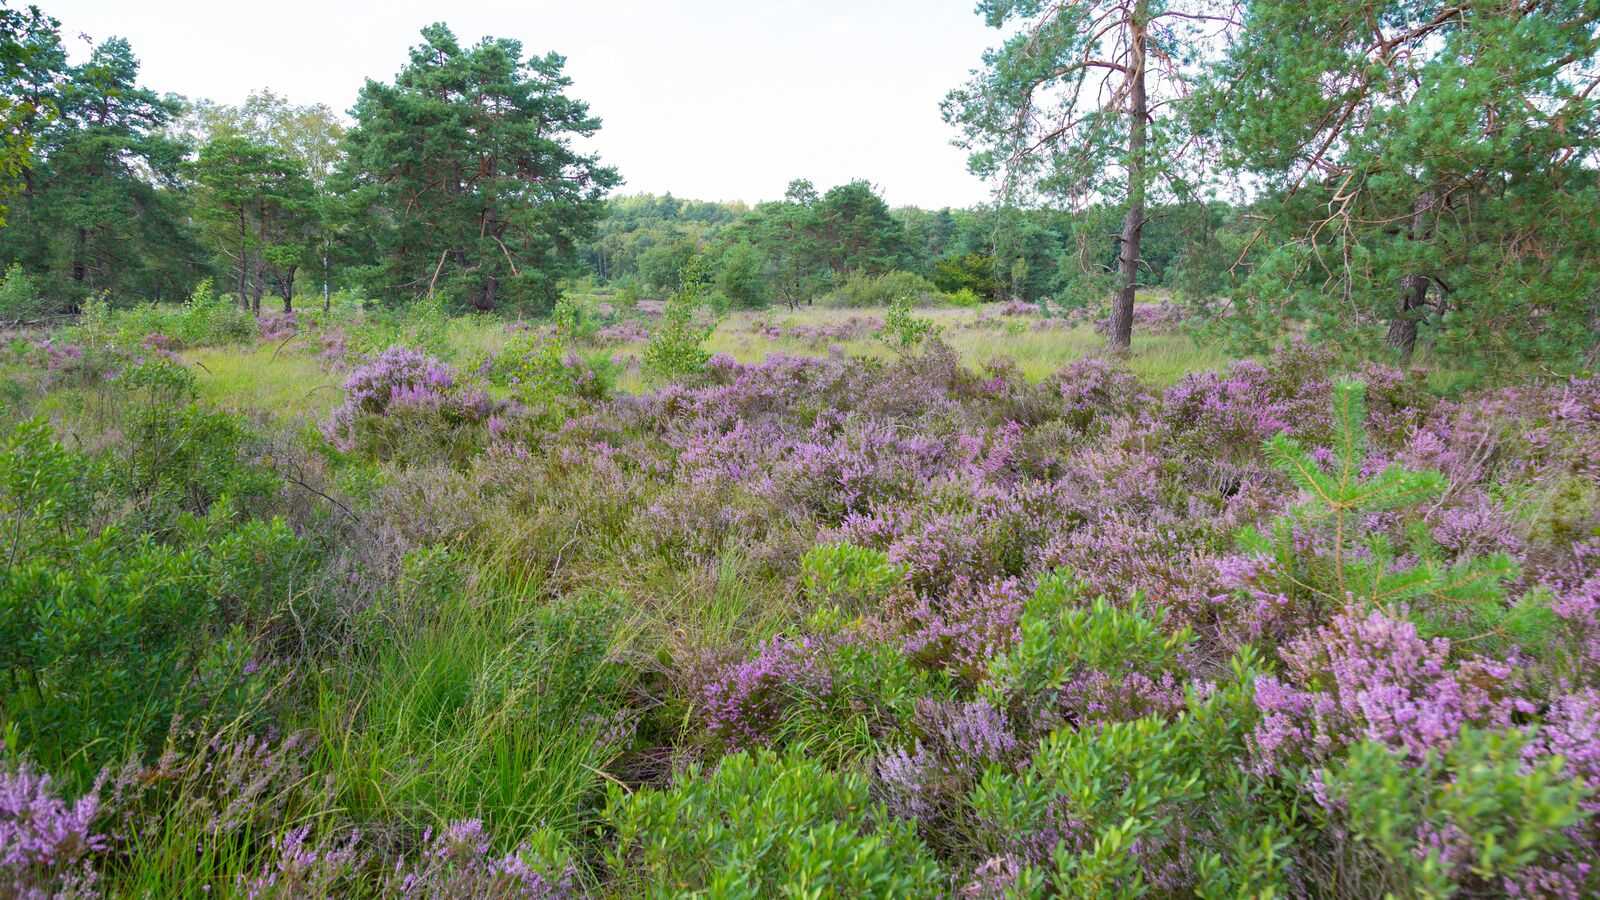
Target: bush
x=1480 y=818
x=965 y=298
x=107 y=632
x=845 y=575
x=861 y=289
x=676 y=347
x=764 y=825
x=573 y=320
x=1087 y=661
x=1180 y=818
x=405 y=404
x=903 y=329
x=20 y=300
x=548 y=378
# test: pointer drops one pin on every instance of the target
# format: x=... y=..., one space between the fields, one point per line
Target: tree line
x=1356 y=172
x=458 y=179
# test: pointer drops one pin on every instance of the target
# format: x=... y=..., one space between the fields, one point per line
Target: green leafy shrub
x=108 y=631
x=873 y=693
x=1109 y=809
x=208 y=318
x=573 y=320
x=842 y=574
x=181 y=456
x=1064 y=638
x=762 y=825
x=20 y=300
x=862 y=289
x=966 y=298
x=1477 y=814
x=676 y=346
x=544 y=374
x=904 y=329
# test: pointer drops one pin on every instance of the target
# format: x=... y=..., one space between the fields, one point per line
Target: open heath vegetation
x=388 y=508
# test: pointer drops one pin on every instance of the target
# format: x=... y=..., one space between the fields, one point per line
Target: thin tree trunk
x=1133 y=223
x=489 y=294
x=286 y=288
x=244 y=261
x=260 y=285
x=1413 y=288
x=80 y=269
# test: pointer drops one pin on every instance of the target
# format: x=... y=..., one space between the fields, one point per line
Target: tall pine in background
x=466 y=176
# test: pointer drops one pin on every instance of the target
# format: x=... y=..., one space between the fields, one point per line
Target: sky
x=712 y=100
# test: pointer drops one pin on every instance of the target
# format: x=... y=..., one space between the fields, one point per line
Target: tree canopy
x=467 y=176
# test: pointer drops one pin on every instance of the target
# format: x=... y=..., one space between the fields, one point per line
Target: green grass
x=288 y=381
x=285 y=380
x=451 y=720
x=1158 y=359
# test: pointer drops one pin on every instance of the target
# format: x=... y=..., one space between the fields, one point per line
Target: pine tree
x=1428 y=167
x=465 y=169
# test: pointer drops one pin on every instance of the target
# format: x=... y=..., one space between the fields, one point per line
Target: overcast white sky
x=715 y=100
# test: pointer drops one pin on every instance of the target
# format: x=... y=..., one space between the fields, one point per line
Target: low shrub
x=764 y=825
x=405 y=404
x=903 y=329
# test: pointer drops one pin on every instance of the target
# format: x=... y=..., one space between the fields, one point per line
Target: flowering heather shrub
x=303 y=866
x=820 y=334
x=457 y=863
x=403 y=395
x=277 y=326
x=45 y=842
x=161 y=345
x=745 y=701
x=1094 y=388
x=627 y=331
x=1225 y=416
x=929 y=781
x=1372 y=677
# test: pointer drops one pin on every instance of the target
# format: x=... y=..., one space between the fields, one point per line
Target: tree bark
x=80 y=269
x=1402 y=335
x=286 y=289
x=1121 y=337
x=244 y=261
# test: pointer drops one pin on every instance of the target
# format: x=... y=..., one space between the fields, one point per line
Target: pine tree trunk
x=244 y=261
x=286 y=288
x=1121 y=337
x=80 y=269
x=1402 y=335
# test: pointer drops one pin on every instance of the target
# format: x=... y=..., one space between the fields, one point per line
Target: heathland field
x=1198 y=497
x=880 y=601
